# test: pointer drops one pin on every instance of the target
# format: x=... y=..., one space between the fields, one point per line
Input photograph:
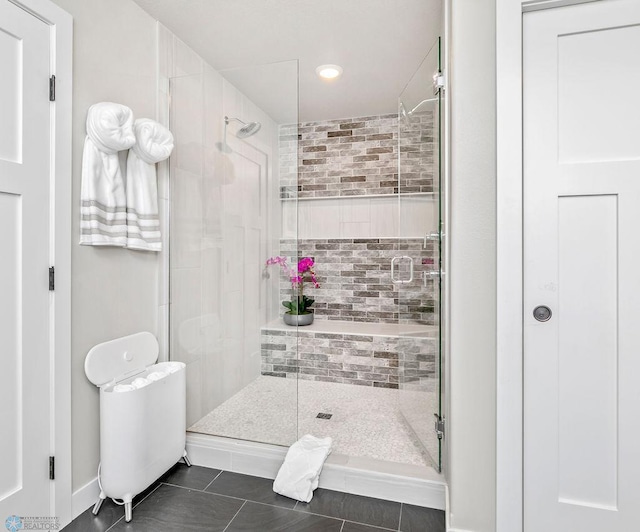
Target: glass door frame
x=422 y=95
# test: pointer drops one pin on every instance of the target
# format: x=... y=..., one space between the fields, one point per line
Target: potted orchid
x=299 y=308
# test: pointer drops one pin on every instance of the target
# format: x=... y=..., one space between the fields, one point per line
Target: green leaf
x=294 y=306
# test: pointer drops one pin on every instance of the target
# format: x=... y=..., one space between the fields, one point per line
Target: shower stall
x=361 y=197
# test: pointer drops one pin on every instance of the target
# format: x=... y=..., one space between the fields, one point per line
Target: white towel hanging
x=154 y=143
x=103 y=200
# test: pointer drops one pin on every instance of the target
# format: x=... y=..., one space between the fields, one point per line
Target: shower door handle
x=393 y=270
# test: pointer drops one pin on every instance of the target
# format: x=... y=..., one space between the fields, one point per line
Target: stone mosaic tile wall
x=418 y=153
x=379 y=361
x=355 y=279
x=357 y=156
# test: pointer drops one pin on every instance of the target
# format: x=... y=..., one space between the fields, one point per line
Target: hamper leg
x=128 y=510
x=98 y=504
x=186 y=459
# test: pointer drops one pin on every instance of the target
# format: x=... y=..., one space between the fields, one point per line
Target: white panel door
x=24 y=261
x=582 y=250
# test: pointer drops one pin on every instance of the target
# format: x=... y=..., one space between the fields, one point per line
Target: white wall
x=472 y=418
x=114 y=291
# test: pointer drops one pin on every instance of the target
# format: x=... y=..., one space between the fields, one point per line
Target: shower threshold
x=375 y=453
x=405 y=483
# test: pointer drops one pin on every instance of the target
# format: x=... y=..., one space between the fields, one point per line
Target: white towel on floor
x=103 y=217
x=300 y=473
x=154 y=143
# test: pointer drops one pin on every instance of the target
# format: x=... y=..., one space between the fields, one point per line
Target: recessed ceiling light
x=329 y=71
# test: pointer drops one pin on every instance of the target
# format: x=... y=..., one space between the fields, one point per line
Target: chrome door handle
x=410 y=268
x=393 y=270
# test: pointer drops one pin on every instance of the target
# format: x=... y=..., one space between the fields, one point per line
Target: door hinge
x=52 y=278
x=52 y=88
x=52 y=468
x=438 y=82
x=439 y=426
x=433 y=236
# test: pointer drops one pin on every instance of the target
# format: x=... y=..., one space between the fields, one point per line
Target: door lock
x=542 y=313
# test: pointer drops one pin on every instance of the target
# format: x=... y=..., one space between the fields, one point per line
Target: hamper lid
x=121 y=356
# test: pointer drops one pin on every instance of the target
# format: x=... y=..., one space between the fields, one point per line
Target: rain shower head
x=247 y=130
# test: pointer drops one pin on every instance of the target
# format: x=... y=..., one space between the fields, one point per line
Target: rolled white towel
x=299 y=475
x=154 y=143
x=103 y=218
x=157 y=375
x=119 y=388
x=172 y=367
x=140 y=382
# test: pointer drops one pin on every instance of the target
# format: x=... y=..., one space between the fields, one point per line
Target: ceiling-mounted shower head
x=247 y=130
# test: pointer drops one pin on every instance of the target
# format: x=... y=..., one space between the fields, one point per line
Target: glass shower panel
x=226 y=221
x=419 y=244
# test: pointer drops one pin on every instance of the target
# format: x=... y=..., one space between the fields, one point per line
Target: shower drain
x=324 y=416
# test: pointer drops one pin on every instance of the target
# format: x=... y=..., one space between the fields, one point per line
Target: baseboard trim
x=85 y=497
x=417 y=485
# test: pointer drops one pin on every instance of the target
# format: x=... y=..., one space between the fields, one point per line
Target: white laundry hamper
x=142 y=430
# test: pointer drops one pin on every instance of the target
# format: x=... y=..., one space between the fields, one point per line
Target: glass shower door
x=226 y=222
x=418 y=272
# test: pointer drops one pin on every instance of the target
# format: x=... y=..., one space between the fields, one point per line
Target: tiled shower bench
x=368 y=354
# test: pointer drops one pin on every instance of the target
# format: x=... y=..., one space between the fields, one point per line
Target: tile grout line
x=294 y=508
x=306 y=512
x=136 y=505
x=232 y=497
x=146 y=496
x=114 y=524
x=367 y=524
x=205 y=488
x=256 y=502
x=208 y=492
x=236 y=515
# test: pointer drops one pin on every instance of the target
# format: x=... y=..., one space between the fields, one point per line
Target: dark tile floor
x=202 y=499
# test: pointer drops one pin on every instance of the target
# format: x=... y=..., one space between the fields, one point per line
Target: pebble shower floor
x=365 y=421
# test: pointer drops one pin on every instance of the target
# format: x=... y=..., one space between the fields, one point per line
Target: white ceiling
x=379 y=44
